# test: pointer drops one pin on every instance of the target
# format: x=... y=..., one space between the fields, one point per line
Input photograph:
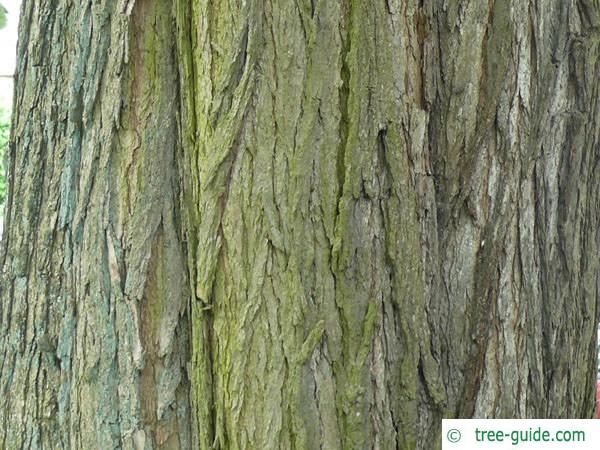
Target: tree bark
x=298 y=225
x=95 y=339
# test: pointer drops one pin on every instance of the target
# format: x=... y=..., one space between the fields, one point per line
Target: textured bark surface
x=93 y=283
x=379 y=214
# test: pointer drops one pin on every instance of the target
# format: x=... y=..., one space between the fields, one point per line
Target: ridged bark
x=330 y=223
x=93 y=289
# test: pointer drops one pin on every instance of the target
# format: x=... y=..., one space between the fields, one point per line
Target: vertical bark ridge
x=307 y=237
x=94 y=339
x=513 y=174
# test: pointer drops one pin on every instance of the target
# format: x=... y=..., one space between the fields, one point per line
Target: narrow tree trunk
x=379 y=213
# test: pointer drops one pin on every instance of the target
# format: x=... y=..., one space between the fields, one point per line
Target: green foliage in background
x=2 y=16
x=4 y=131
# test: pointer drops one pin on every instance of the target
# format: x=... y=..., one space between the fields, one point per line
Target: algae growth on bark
x=298 y=224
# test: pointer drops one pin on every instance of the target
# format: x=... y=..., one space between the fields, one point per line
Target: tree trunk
x=94 y=289
x=298 y=225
